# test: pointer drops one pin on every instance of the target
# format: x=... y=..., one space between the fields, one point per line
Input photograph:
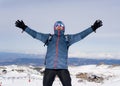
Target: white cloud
x=95 y=55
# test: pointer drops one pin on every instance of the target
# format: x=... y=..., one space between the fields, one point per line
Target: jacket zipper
x=56 y=58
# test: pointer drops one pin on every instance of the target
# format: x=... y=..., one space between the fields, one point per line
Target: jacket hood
x=59 y=32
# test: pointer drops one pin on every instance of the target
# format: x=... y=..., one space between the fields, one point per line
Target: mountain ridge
x=38 y=60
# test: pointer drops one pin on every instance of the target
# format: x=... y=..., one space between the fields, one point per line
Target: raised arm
x=77 y=37
x=40 y=36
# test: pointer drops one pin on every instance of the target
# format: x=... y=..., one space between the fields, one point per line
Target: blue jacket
x=57 y=48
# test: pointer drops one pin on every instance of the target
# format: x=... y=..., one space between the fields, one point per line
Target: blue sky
x=77 y=15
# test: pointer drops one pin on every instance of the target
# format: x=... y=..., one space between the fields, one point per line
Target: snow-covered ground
x=87 y=75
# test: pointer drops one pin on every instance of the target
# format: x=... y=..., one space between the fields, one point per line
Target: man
x=57 y=49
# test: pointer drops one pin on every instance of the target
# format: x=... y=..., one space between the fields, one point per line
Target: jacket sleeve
x=37 y=35
x=77 y=37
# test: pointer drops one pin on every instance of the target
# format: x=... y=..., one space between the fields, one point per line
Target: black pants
x=63 y=75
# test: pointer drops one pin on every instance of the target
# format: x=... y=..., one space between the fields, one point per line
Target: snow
x=108 y=75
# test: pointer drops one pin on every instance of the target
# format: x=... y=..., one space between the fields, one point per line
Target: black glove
x=20 y=24
x=96 y=25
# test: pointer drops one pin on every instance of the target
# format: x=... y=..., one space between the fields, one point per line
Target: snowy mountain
x=38 y=60
x=87 y=75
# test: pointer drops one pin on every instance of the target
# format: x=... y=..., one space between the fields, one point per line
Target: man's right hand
x=20 y=24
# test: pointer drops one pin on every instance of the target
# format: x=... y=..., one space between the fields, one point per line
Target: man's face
x=59 y=26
